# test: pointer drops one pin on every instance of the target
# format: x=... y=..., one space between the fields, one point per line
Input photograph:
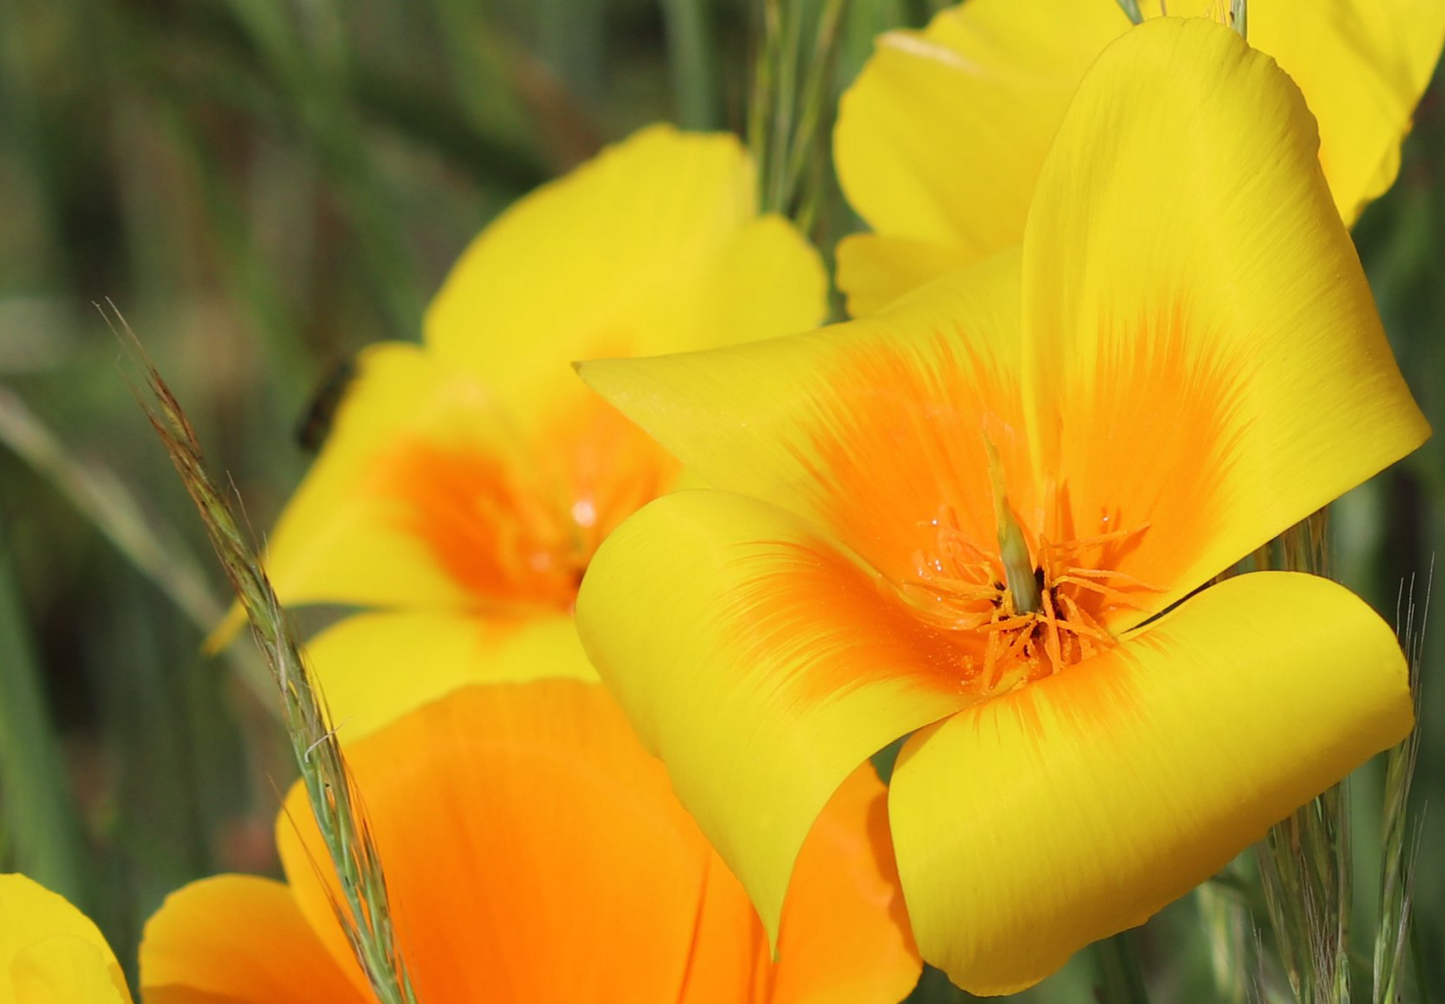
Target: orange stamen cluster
x=962 y=588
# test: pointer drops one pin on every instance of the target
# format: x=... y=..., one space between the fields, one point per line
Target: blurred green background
x=262 y=188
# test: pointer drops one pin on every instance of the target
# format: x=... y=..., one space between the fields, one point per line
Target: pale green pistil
x=1019 y=573
x=1018 y=570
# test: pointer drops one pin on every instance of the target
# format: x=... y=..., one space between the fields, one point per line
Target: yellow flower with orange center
x=940 y=141
x=50 y=952
x=534 y=852
x=467 y=480
x=984 y=517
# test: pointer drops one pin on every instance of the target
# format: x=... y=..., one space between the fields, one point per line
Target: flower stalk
x=789 y=98
x=363 y=907
x=1304 y=861
x=1393 y=930
x=1121 y=975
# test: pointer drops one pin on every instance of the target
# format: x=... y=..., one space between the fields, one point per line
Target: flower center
x=516 y=528
x=1020 y=614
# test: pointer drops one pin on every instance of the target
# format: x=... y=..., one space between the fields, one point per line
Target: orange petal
x=532 y=850
x=844 y=936
x=242 y=940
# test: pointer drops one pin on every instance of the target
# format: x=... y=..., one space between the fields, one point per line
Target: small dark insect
x=315 y=424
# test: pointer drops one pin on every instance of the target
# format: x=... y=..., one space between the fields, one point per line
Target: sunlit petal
x=1208 y=366
x=760 y=665
x=374 y=667
x=50 y=952
x=875 y=430
x=351 y=533
x=241 y=939
x=653 y=246
x=532 y=851
x=1078 y=806
x=940 y=139
x=844 y=936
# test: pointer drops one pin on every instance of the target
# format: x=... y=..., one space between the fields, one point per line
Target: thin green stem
x=1131 y=8
x=691 y=61
x=1120 y=974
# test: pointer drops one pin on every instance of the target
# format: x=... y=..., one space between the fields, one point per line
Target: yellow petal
x=63 y=970
x=653 y=246
x=346 y=536
x=533 y=851
x=759 y=664
x=1078 y=806
x=50 y=952
x=241 y=939
x=1206 y=363
x=1362 y=65
x=374 y=667
x=941 y=138
x=874 y=270
x=872 y=429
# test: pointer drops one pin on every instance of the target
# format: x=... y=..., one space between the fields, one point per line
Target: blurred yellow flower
x=940 y=140
x=50 y=952
x=984 y=513
x=534 y=852
x=467 y=480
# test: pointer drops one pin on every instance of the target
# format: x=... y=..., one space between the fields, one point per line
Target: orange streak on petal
x=898 y=451
x=1147 y=432
x=807 y=600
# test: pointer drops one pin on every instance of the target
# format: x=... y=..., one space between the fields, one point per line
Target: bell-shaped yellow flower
x=534 y=852
x=987 y=513
x=467 y=480
x=50 y=952
x=940 y=140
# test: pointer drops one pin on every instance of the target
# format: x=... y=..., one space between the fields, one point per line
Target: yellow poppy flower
x=940 y=140
x=985 y=512
x=534 y=852
x=467 y=480
x=50 y=952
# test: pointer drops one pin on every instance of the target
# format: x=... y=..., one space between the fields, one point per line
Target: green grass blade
x=39 y=829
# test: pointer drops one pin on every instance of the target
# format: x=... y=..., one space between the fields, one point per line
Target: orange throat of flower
x=515 y=526
x=1020 y=613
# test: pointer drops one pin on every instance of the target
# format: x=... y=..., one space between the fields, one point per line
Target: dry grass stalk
x=1304 y=861
x=1400 y=838
x=363 y=907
